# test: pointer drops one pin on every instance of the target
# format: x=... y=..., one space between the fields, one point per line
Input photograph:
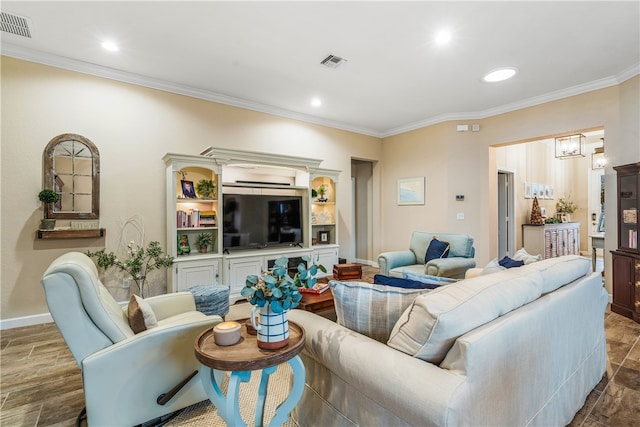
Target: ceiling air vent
x=333 y=61
x=14 y=24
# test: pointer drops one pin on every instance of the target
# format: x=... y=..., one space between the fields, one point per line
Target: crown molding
x=530 y=102
x=113 y=74
x=139 y=80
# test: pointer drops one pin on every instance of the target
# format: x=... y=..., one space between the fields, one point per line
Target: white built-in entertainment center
x=301 y=220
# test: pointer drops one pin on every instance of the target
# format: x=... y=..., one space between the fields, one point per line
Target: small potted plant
x=206 y=189
x=204 y=240
x=322 y=191
x=48 y=197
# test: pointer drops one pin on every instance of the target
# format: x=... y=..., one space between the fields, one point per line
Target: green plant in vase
x=139 y=262
x=48 y=197
x=206 y=188
x=322 y=193
x=564 y=208
x=203 y=241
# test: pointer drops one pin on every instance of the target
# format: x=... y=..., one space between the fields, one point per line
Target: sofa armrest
x=473 y=272
x=386 y=376
x=168 y=305
x=454 y=268
x=390 y=260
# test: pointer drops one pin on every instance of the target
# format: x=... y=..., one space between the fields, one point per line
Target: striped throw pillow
x=371 y=309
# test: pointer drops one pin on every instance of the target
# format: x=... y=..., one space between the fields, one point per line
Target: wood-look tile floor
x=40 y=383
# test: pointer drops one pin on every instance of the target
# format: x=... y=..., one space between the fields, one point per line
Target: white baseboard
x=18 y=322
x=366 y=262
x=36 y=319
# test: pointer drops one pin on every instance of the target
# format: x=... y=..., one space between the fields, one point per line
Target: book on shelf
x=633 y=239
x=318 y=288
x=208 y=218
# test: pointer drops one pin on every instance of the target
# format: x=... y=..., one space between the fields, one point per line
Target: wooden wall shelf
x=71 y=234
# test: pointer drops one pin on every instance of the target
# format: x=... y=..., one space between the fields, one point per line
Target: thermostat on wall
x=459 y=197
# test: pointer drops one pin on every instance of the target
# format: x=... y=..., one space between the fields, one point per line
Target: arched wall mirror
x=72 y=169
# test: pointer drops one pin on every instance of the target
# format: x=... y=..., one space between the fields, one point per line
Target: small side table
x=241 y=359
x=597 y=241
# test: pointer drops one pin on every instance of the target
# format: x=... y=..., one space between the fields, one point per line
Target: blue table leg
x=262 y=394
x=284 y=409
x=228 y=406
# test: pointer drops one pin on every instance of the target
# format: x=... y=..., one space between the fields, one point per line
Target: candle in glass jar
x=226 y=333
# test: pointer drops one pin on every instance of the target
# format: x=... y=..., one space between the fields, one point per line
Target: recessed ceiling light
x=316 y=102
x=443 y=37
x=110 y=46
x=500 y=74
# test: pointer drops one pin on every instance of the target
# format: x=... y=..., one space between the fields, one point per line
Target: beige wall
x=465 y=163
x=132 y=127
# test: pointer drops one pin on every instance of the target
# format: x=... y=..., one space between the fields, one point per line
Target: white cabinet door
x=198 y=272
x=238 y=270
x=328 y=258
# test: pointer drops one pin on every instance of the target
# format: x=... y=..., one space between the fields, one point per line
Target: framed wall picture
x=323 y=237
x=527 y=190
x=534 y=190
x=188 y=192
x=411 y=191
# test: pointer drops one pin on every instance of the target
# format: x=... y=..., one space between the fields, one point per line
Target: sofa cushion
x=141 y=316
x=559 y=271
x=437 y=249
x=507 y=262
x=370 y=309
x=430 y=325
x=401 y=282
x=427 y=279
x=493 y=267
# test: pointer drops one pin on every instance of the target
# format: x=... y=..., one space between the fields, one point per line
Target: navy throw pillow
x=437 y=249
x=507 y=262
x=380 y=279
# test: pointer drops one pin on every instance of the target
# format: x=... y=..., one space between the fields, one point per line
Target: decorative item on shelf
x=206 y=189
x=226 y=333
x=187 y=189
x=204 y=240
x=570 y=146
x=139 y=262
x=564 y=208
x=536 y=213
x=48 y=197
x=183 y=244
x=324 y=237
x=273 y=294
x=322 y=194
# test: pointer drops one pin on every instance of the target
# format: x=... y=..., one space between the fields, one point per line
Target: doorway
x=362 y=212
x=506 y=226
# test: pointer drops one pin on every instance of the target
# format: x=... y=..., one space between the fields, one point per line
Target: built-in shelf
x=67 y=233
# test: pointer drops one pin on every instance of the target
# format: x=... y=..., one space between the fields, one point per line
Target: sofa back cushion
x=430 y=326
x=460 y=245
x=371 y=309
x=559 y=271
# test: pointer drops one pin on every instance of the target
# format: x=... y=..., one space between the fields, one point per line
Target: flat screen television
x=260 y=221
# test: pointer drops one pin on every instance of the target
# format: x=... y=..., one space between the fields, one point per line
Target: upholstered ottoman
x=211 y=299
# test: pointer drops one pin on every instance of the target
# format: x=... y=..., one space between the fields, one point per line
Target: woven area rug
x=205 y=414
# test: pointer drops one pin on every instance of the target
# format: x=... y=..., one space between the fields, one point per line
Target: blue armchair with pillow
x=435 y=254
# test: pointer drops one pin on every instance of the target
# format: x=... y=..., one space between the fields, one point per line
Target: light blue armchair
x=460 y=259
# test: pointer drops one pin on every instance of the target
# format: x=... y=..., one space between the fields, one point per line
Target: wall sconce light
x=597 y=159
x=570 y=146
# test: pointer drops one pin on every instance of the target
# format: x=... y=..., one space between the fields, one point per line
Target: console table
x=552 y=240
x=241 y=359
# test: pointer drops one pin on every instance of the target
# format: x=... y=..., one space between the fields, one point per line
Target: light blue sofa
x=460 y=259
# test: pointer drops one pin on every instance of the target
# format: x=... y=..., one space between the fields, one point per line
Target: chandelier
x=570 y=146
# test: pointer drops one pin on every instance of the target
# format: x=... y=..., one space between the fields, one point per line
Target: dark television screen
x=255 y=221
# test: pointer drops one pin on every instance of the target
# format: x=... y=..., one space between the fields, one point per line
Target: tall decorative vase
x=273 y=328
